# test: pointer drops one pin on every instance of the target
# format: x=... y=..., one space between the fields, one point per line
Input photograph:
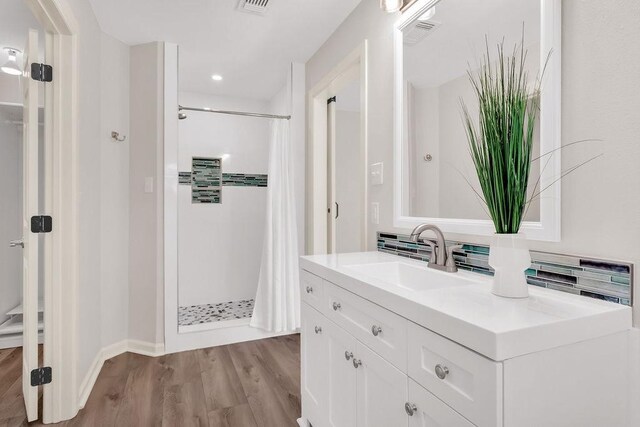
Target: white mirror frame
x=548 y=228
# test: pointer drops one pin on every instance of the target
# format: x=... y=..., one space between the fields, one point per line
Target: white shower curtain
x=277 y=304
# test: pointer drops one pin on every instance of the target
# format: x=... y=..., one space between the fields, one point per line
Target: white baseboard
x=133 y=346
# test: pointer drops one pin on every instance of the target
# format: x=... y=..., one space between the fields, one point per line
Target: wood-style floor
x=256 y=383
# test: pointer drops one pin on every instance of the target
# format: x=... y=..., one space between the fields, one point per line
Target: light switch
x=376 y=172
x=148 y=184
x=375 y=213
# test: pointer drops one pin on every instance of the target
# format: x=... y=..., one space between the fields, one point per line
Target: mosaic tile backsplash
x=601 y=279
x=206 y=180
x=244 y=180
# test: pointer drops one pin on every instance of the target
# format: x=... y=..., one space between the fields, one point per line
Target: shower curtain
x=277 y=303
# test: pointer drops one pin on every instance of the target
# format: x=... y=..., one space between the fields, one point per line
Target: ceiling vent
x=418 y=31
x=258 y=7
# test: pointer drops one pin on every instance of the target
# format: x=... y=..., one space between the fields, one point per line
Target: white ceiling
x=459 y=41
x=251 y=52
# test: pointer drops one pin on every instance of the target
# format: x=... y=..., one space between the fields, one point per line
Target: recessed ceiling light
x=11 y=67
x=216 y=77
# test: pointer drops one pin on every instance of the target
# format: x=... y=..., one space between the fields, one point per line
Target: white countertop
x=498 y=328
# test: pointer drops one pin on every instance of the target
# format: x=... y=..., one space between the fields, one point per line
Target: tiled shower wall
x=601 y=279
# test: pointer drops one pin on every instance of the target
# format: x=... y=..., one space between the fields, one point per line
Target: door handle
x=337 y=210
x=16 y=243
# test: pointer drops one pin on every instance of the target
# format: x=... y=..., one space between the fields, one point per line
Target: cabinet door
x=429 y=411
x=313 y=354
x=342 y=376
x=381 y=391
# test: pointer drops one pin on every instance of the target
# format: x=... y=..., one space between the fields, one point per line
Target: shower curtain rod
x=235 y=113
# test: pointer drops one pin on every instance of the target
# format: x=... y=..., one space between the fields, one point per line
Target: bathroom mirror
x=437 y=43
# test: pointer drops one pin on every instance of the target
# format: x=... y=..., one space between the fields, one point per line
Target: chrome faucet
x=441 y=257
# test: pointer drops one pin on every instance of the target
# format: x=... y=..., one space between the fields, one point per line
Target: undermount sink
x=409 y=276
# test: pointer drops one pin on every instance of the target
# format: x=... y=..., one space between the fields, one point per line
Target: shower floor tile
x=211 y=313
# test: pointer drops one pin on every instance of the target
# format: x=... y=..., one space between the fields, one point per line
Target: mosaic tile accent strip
x=601 y=279
x=244 y=180
x=184 y=178
x=211 y=313
x=206 y=180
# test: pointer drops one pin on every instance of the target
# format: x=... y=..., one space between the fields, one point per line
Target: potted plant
x=501 y=146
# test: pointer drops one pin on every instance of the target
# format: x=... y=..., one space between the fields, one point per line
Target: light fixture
x=216 y=77
x=428 y=14
x=391 y=6
x=11 y=66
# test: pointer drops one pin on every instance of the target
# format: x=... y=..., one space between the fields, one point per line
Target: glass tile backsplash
x=206 y=180
x=601 y=279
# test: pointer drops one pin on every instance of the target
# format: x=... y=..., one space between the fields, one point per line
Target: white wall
x=114 y=195
x=10 y=214
x=220 y=245
x=102 y=195
x=145 y=215
x=601 y=65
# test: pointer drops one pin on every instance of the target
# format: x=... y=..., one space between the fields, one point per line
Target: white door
x=348 y=172
x=342 y=376
x=426 y=410
x=381 y=391
x=314 y=362
x=30 y=240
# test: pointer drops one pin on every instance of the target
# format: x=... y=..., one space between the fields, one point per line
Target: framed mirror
x=437 y=44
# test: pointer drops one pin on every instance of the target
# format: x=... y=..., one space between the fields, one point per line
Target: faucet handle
x=434 y=253
x=451 y=262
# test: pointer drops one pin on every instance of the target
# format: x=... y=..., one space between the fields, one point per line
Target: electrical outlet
x=148 y=184
x=375 y=213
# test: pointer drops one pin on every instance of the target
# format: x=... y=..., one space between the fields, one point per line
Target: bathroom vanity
x=388 y=342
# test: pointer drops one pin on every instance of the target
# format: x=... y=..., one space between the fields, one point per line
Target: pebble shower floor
x=211 y=313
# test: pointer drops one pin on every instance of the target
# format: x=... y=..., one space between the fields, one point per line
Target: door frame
x=60 y=397
x=317 y=139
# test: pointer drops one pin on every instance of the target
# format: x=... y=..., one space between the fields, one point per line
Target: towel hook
x=116 y=136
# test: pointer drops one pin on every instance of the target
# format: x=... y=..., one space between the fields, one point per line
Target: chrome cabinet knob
x=356 y=363
x=309 y=290
x=410 y=408
x=348 y=355
x=336 y=306
x=441 y=371
x=318 y=329
x=16 y=243
x=376 y=330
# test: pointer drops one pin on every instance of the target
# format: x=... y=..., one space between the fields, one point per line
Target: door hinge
x=41 y=376
x=41 y=72
x=41 y=224
x=330 y=100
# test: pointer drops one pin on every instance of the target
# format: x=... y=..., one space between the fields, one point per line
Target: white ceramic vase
x=509 y=256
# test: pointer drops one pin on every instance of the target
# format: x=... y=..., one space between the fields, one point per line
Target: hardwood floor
x=251 y=384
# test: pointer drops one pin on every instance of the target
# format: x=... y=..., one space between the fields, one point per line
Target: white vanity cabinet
x=347 y=382
x=369 y=360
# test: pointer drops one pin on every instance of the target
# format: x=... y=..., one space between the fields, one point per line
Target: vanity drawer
x=380 y=329
x=311 y=289
x=466 y=381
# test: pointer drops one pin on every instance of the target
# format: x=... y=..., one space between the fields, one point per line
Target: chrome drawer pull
x=356 y=363
x=442 y=371
x=336 y=306
x=309 y=290
x=410 y=408
x=318 y=330
x=348 y=355
x=376 y=330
